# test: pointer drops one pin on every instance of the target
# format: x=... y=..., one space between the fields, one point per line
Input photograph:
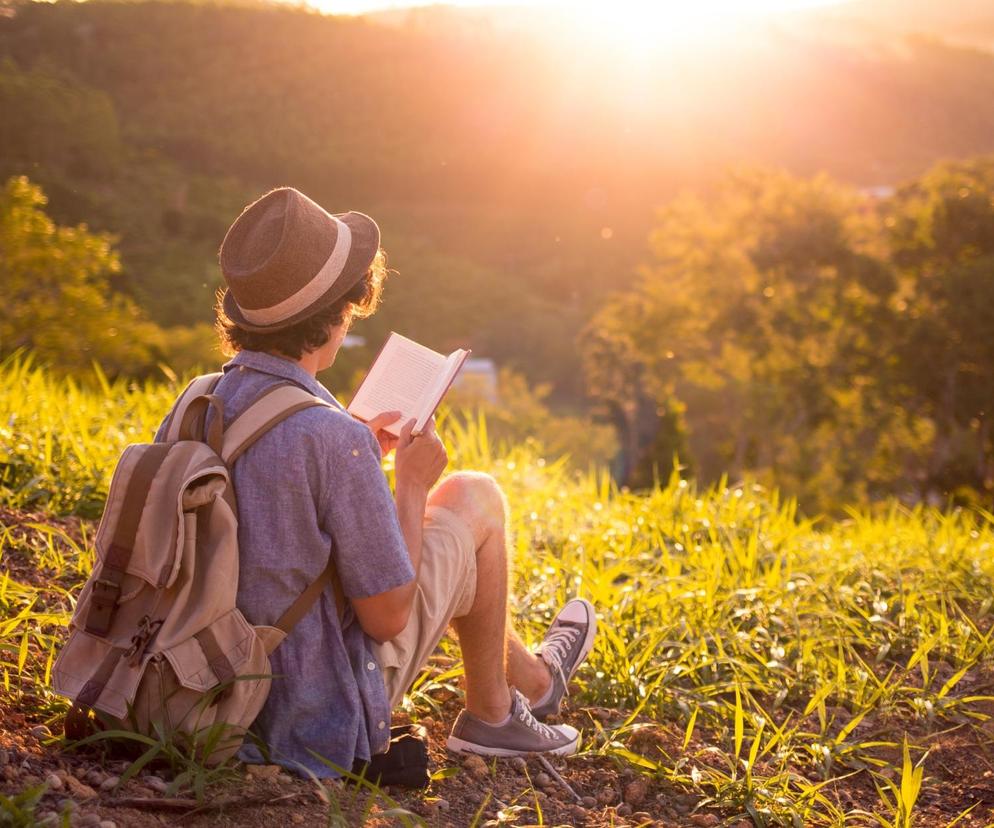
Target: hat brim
x=365 y=244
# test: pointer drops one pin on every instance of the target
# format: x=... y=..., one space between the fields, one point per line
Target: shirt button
x=382 y=725
x=371 y=666
x=355 y=452
x=241 y=367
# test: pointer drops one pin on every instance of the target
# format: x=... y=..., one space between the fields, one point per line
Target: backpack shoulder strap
x=198 y=387
x=270 y=408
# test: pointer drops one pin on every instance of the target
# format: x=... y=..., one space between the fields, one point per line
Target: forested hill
x=518 y=191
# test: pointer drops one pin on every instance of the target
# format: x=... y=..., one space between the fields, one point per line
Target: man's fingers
x=405 y=433
x=383 y=420
x=429 y=427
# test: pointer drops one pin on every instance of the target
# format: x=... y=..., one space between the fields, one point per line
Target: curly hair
x=310 y=334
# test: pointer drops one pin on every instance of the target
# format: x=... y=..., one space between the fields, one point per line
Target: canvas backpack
x=157 y=645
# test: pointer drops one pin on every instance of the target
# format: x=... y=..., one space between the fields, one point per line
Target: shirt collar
x=283 y=368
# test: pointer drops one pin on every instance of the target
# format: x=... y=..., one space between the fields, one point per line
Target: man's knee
x=474 y=496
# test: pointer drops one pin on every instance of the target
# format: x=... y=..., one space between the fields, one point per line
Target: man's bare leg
x=491 y=654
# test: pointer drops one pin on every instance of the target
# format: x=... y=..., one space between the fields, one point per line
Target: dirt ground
x=608 y=791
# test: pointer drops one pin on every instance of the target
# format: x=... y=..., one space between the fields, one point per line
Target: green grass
x=802 y=652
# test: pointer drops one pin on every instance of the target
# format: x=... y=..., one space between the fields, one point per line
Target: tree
x=941 y=232
x=56 y=298
x=765 y=311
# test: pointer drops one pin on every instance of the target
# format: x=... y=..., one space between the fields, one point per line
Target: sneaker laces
x=556 y=647
x=525 y=717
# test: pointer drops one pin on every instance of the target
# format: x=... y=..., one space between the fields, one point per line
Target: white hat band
x=313 y=290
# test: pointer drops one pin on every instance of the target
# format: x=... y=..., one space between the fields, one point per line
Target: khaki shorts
x=446 y=590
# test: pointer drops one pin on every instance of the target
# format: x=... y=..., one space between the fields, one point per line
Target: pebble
x=79 y=789
x=635 y=792
x=48 y=819
x=110 y=783
x=263 y=771
x=704 y=820
x=644 y=816
x=108 y=823
x=623 y=810
x=580 y=814
x=297 y=819
x=284 y=779
x=442 y=804
x=41 y=732
x=67 y=805
x=476 y=766
x=519 y=764
x=543 y=780
x=589 y=802
x=54 y=782
x=156 y=784
x=90 y=820
x=607 y=796
x=95 y=778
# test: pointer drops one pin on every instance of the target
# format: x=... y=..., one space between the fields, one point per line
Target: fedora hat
x=286 y=257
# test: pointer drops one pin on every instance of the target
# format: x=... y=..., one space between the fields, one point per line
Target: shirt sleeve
x=357 y=509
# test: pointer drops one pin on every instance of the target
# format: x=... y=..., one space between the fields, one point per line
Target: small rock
x=284 y=779
x=589 y=802
x=644 y=816
x=263 y=771
x=67 y=805
x=41 y=732
x=635 y=791
x=54 y=782
x=543 y=780
x=90 y=820
x=519 y=764
x=705 y=820
x=110 y=783
x=580 y=814
x=11 y=772
x=607 y=796
x=623 y=810
x=78 y=789
x=30 y=780
x=442 y=804
x=95 y=778
x=297 y=818
x=108 y=823
x=48 y=819
x=156 y=784
x=476 y=766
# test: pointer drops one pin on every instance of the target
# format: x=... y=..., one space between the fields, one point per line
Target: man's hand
x=421 y=459
x=377 y=425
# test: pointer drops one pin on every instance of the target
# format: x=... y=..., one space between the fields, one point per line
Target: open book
x=406 y=377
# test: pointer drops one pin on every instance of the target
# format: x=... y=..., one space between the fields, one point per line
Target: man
x=409 y=563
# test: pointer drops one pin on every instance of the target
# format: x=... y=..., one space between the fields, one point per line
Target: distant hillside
x=512 y=173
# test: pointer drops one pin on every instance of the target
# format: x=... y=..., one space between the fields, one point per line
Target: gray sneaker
x=521 y=734
x=567 y=642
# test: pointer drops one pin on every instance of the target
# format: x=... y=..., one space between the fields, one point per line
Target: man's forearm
x=412 y=499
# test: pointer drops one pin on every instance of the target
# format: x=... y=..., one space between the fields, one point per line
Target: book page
x=450 y=367
x=402 y=378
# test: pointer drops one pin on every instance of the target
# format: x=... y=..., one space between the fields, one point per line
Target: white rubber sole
x=457 y=745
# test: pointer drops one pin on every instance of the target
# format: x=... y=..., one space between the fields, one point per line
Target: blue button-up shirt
x=310 y=485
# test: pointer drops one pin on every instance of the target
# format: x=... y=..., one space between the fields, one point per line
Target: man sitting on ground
x=410 y=564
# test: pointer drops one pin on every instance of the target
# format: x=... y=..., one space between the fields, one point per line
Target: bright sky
x=637 y=26
x=647 y=8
